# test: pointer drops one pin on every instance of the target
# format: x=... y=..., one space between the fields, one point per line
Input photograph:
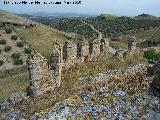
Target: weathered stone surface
x=55 y=64
x=40 y=80
x=45 y=77
x=129 y=79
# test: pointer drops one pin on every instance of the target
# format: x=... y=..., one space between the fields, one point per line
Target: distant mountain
x=108 y=15
x=56 y=15
x=146 y=16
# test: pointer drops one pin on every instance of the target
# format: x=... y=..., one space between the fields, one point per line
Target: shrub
x=2 y=42
x=28 y=50
x=1 y=62
x=14 y=37
x=0 y=51
x=20 y=44
x=8 y=31
x=7 y=48
x=151 y=55
x=16 y=55
x=17 y=61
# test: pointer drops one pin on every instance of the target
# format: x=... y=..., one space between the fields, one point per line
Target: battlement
x=40 y=79
x=45 y=75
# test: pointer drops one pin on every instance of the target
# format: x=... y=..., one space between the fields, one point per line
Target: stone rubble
x=103 y=104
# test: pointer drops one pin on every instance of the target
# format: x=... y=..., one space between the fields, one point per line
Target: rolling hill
x=39 y=37
x=34 y=35
x=116 y=28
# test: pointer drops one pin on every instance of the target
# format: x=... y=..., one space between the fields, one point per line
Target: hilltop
x=146 y=16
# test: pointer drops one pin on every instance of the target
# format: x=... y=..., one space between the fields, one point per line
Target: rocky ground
x=102 y=104
x=105 y=105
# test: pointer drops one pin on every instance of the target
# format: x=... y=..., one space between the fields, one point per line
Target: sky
x=93 y=7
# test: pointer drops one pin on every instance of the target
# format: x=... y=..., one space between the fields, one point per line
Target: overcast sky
x=115 y=7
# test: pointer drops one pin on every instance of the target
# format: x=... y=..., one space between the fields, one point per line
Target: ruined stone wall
x=95 y=51
x=69 y=54
x=83 y=51
x=129 y=79
x=45 y=77
x=132 y=43
x=40 y=79
x=55 y=64
x=133 y=53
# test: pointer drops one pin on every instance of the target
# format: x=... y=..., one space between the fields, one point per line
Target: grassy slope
x=40 y=37
x=13 y=84
x=140 y=36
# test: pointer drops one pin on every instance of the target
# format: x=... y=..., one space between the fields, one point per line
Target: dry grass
x=140 y=36
x=13 y=84
x=119 y=44
x=41 y=38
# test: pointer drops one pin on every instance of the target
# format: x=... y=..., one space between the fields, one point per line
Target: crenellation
x=69 y=54
x=96 y=49
x=38 y=74
x=46 y=75
x=55 y=64
x=104 y=46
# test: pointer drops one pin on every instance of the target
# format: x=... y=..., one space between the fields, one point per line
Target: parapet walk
x=46 y=75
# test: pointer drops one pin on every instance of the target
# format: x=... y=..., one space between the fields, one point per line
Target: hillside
x=111 y=26
x=13 y=71
x=40 y=37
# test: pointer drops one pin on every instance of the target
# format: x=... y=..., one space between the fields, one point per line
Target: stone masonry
x=55 y=64
x=40 y=79
x=129 y=79
x=43 y=76
x=46 y=75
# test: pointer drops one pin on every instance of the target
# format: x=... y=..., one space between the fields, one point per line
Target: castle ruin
x=46 y=75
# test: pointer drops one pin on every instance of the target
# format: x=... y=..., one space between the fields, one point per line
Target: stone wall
x=40 y=79
x=129 y=79
x=43 y=76
x=55 y=64
x=46 y=75
x=84 y=51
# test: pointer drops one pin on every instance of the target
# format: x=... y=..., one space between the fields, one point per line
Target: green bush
x=14 y=37
x=8 y=31
x=1 y=62
x=17 y=61
x=2 y=42
x=0 y=51
x=152 y=55
x=28 y=50
x=7 y=48
x=16 y=55
x=20 y=44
